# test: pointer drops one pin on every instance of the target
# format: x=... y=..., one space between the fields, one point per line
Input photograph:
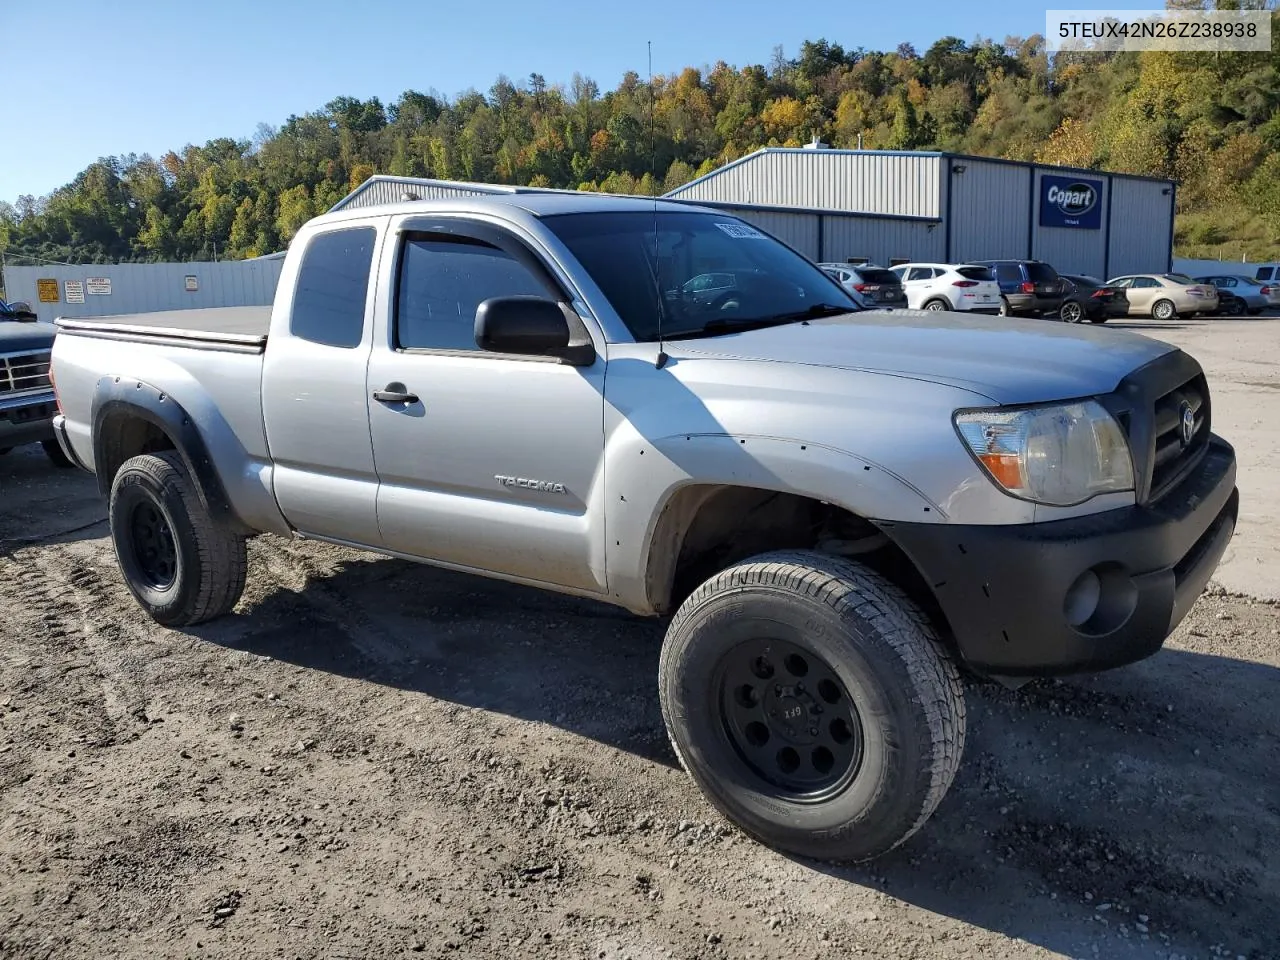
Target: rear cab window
x=1008 y=273
x=332 y=288
x=974 y=273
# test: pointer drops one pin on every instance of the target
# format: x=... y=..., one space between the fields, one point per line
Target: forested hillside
x=1210 y=120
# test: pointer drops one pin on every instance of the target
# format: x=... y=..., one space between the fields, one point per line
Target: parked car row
x=1034 y=288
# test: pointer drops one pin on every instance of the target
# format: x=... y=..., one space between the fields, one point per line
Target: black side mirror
x=531 y=326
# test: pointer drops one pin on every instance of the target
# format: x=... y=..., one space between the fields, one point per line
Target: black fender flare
x=138 y=400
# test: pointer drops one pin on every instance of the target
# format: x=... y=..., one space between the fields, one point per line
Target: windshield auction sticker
x=1114 y=31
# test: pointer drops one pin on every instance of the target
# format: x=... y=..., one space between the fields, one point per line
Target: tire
x=55 y=454
x=181 y=565
x=1071 y=312
x=854 y=631
x=1163 y=310
x=1005 y=309
x=936 y=304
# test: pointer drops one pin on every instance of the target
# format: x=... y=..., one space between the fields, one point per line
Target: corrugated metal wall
x=899 y=184
x=1140 y=234
x=990 y=209
x=148 y=287
x=1072 y=249
x=881 y=240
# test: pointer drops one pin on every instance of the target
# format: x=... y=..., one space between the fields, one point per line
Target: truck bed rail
x=233 y=329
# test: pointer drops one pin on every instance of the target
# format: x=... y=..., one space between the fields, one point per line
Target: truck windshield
x=700 y=273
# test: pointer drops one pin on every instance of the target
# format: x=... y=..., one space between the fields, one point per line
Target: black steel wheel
x=789 y=717
x=812 y=703
x=151 y=541
x=182 y=566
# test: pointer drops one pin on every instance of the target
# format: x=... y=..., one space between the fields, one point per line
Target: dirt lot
x=375 y=759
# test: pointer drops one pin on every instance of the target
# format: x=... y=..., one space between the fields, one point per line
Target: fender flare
x=138 y=400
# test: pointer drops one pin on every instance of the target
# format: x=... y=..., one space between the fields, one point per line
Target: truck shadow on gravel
x=1143 y=797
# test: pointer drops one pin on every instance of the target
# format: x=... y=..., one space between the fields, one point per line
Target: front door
x=1142 y=293
x=485 y=460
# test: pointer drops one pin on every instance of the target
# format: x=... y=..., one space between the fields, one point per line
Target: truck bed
x=243 y=329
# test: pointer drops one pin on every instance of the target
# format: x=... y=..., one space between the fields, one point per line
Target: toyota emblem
x=1188 y=423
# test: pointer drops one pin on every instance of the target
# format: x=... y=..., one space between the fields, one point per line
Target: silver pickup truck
x=661 y=406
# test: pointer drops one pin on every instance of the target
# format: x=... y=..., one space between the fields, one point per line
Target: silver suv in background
x=868 y=284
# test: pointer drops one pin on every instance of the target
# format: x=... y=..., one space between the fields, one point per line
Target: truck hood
x=1007 y=359
x=20 y=337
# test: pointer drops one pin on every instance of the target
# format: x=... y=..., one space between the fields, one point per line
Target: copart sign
x=1070 y=202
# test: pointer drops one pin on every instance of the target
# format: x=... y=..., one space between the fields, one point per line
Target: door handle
x=395 y=393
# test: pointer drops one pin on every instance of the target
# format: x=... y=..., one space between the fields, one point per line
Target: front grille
x=20 y=372
x=1173 y=451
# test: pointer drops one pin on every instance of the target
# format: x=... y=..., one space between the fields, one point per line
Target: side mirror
x=530 y=326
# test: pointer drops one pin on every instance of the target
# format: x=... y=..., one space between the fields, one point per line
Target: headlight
x=1057 y=455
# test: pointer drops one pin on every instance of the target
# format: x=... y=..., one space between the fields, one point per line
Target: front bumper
x=1005 y=590
x=26 y=419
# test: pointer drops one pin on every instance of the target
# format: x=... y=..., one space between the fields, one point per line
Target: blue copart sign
x=1070 y=202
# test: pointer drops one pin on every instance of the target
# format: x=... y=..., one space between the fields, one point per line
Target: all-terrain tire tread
x=899 y=622
x=224 y=561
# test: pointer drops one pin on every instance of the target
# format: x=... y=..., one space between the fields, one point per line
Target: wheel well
x=122 y=437
x=705 y=528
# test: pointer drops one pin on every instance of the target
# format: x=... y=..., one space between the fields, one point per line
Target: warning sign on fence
x=47 y=291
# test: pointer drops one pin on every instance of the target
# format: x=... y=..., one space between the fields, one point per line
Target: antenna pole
x=653 y=192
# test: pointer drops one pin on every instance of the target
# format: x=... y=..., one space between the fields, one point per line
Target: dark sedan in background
x=1088 y=298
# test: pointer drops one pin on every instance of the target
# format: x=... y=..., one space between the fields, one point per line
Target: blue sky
x=90 y=79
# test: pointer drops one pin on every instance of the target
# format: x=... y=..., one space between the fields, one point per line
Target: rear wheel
x=1071 y=312
x=1163 y=310
x=810 y=700
x=1005 y=309
x=1234 y=308
x=936 y=304
x=181 y=565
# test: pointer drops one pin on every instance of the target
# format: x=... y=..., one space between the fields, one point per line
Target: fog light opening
x=1082 y=598
x=1100 y=600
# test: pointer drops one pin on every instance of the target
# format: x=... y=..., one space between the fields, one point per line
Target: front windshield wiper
x=735 y=324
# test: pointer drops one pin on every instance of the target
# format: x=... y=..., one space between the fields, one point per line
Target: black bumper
x=23 y=422
x=1004 y=589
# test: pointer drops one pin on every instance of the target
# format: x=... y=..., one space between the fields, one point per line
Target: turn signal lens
x=1058 y=455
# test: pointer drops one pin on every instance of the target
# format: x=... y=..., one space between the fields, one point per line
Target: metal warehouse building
x=888 y=207
x=96 y=289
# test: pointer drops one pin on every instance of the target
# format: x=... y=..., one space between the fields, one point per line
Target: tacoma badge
x=530 y=484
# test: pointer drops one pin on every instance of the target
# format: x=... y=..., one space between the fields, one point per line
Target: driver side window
x=442 y=282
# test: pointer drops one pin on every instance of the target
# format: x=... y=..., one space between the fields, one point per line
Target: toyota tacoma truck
x=26 y=395
x=834 y=510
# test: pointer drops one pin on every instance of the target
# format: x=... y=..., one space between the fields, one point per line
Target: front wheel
x=1071 y=312
x=180 y=564
x=1163 y=310
x=812 y=703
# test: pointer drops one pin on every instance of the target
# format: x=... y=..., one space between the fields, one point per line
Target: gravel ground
x=372 y=758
